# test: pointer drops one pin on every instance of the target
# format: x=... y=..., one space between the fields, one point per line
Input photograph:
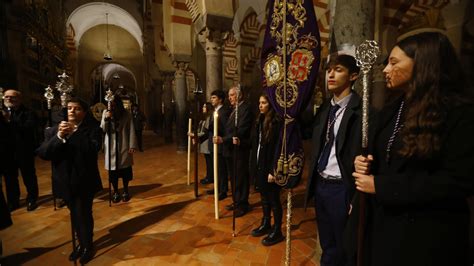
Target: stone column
x=212 y=42
x=354 y=21
x=181 y=104
x=167 y=106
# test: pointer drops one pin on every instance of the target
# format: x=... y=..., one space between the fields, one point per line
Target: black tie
x=324 y=157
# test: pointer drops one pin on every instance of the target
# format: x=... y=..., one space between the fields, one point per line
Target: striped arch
x=249 y=29
x=251 y=58
x=399 y=13
x=321 y=8
x=193 y=9
x=230 y=57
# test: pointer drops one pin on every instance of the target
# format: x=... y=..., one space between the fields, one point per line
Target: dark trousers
x=332 y=207
x=83 y=222
x=209 y=166
x=28 y=172
x=242 y=186
x=270 y=195
x=222 y=172
x=139 y=134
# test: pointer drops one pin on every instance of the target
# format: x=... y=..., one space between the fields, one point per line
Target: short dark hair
x=81 y=102
x=345 y=60
x=219 y=93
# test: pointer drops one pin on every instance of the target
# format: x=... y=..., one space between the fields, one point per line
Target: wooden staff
x=189 y=150
x=236 y=154
x=109 y=97
x=366 y=55
x=65 y=88
x=49 y=96
x=216 y=162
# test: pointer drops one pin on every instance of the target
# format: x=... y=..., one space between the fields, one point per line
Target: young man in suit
x=72 y=147
x=335 y=142
x=217 y=102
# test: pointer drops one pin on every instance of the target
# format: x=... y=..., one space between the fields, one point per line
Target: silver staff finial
x=109 y=97
x=48 y=94
x=64 y=87
x=366 y=55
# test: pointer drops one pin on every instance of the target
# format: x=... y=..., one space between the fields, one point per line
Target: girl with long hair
x=263 y=155
x=419 y=171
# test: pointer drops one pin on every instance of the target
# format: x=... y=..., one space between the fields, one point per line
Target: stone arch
x=92 y=14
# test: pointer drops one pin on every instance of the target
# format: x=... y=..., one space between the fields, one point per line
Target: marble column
x=181 y=104
x=354 y=21
x=167 y=108
x=212 y=43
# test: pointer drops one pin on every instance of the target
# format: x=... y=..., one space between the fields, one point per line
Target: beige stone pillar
x=212 y=43
x=181 y=104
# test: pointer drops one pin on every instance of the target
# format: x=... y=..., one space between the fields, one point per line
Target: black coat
x=419 y=214
x=267 y=154
x=348 y=143
x=245 y=120
x=74 y=163
x=23 y=125
x=5 y=218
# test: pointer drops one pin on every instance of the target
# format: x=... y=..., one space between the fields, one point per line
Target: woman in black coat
x=72 y=147
x=263 y=155
x=419 y=173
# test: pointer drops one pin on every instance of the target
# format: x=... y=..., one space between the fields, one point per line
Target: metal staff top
x=237 y=108
x=48 y=94
x=109 y=97
x=366 y=55
x=64 y=87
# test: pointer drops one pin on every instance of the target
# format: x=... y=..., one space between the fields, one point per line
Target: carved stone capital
x=211 y=40
x=181 y=68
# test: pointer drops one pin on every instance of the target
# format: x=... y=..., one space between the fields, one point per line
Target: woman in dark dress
x=419 y=171
x=263 y=155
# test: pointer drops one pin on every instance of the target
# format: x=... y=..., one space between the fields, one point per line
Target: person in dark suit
x=5 y=217
x=22 y=123
x=419 y=170
x=238 y=138
x=72 y=147
x=335 y=142
x=217 y=102
x=263 y=156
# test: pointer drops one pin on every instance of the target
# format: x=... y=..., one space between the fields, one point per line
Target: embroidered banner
x=299 y=60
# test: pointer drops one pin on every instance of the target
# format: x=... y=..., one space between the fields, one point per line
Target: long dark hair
x=267 y=120
x=437 y=84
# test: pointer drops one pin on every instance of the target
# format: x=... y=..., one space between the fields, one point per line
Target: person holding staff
x=123 y=145
x=72 y=147
x=418 y=173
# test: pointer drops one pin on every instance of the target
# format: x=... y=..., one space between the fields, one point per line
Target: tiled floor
x=163 y=224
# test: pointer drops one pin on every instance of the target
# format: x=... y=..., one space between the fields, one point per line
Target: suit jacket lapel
x=354 y=103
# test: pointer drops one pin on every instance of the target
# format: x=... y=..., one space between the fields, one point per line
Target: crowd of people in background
x=416 y=177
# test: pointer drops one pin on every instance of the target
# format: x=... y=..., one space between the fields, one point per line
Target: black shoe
x=210 y=192
x=86 y=255
x=274 y=237
x=206 y=181
x=30 y=206
x=75 y=254
x=230 y=207
x=115 y=198
x=13 y=207
x=239 y=212
x=222 y=196
x=61 y=203
x=263 y=229
x=125 y=197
